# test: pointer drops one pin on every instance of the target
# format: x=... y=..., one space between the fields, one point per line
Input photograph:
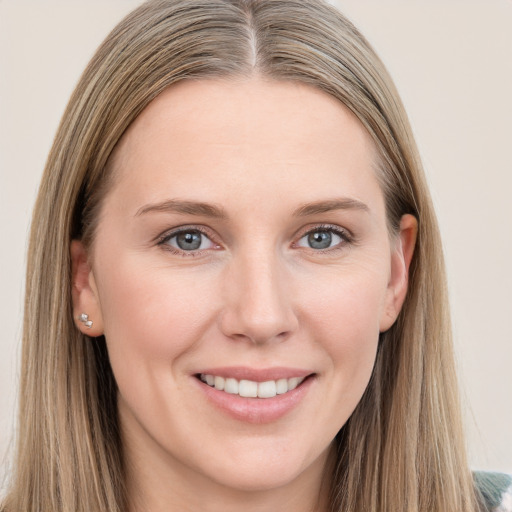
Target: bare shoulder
x=496 y=489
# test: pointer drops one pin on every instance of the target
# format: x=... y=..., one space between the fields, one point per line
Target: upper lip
x=256 y=374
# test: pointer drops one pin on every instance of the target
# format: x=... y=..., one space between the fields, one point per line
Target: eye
x=322 y=238
x=187 y=240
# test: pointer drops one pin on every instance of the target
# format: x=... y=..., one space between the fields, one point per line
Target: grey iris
x=320 y=239
x=189 y=240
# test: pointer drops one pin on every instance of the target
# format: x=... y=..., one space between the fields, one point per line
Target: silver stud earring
x=85 y=320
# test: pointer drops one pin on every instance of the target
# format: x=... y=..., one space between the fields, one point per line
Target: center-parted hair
x=402 y=450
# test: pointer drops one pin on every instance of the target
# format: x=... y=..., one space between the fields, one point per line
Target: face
x=243 y=250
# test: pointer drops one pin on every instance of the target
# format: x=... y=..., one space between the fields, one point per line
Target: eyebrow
x=184 y=207
x=217 y=212
x=343 y=203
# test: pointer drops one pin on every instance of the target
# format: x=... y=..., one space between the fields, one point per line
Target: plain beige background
x=452 y=63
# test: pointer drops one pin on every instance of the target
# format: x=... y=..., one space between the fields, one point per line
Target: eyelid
x=162 y=239
x=345 y=234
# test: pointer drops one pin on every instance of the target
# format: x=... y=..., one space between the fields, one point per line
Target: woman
x=235 y=295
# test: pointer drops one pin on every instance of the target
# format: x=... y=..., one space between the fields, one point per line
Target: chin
x=257 y=479
x=262 y=470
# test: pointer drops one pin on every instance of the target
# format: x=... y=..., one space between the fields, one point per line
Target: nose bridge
x=258 y=299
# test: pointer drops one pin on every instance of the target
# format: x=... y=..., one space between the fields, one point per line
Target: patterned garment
x=496 y=489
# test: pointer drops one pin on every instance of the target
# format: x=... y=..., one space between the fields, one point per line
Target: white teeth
x=293 y=383
x=281 y=386
x=219 y=383
x=248 y=388
x=231 y=386
x=267 y=389
x=252 y=389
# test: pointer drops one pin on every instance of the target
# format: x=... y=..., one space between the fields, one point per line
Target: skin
x=255 y=295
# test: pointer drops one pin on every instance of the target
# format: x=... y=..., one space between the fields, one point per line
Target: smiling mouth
x=251 y=389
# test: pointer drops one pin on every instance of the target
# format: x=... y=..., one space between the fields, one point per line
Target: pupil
x=189 y=241
x=320 y=240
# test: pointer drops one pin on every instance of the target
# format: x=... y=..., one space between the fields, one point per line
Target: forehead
x=219 y=135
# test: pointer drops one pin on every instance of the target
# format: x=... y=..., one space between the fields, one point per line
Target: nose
x=258 y=303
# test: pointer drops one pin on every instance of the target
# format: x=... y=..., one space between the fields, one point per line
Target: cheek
x=154 y=315
x=345 y=321
x=347 y=309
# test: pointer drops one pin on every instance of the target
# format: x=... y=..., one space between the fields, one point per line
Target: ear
x=401 y=257
x=84 y=292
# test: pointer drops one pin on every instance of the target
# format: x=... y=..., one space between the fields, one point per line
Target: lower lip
x=257 y=410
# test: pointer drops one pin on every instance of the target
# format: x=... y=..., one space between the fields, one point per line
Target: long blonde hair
x=402 y=450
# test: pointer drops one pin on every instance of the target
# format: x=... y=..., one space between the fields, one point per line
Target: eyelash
x=166 y=237
x=345 y=236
